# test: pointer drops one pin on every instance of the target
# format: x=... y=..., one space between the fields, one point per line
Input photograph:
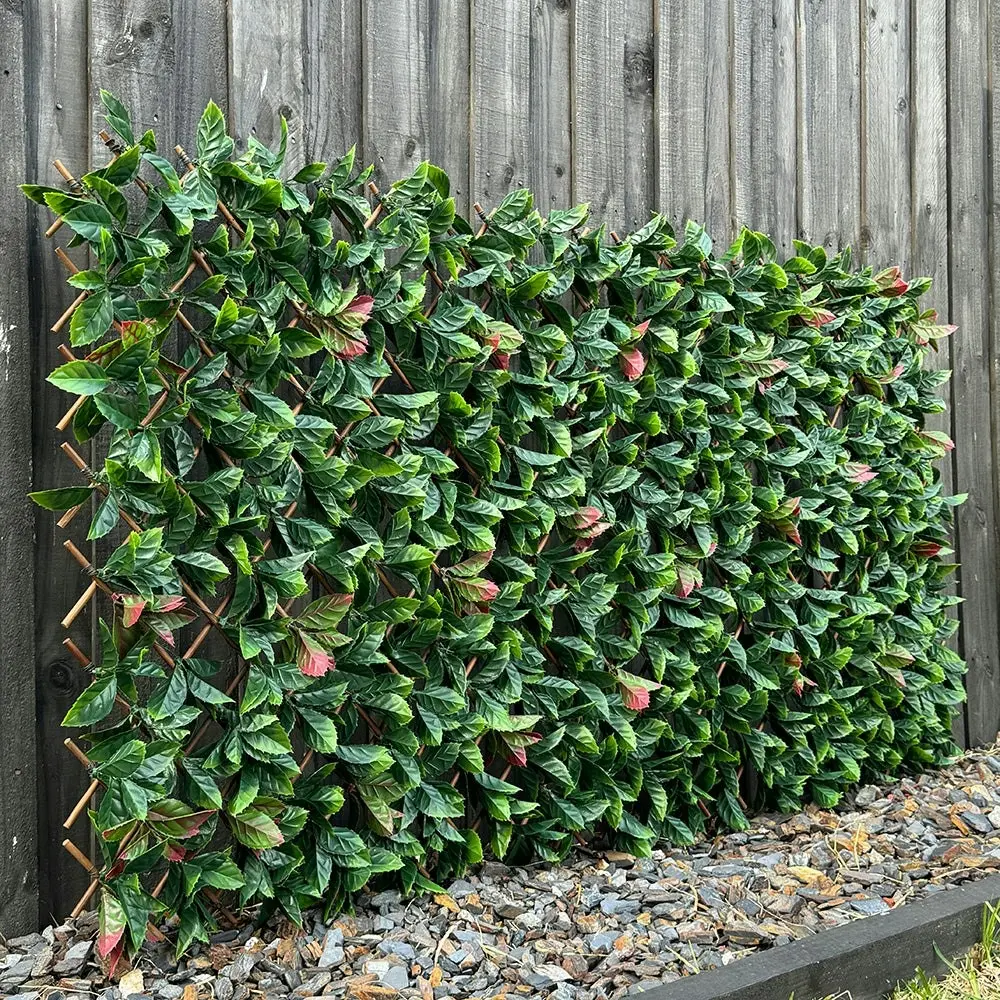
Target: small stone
x=508 y=911
x=866 y=796
x=576 y=966
x=782 y=905
x=602 y=942
x=333 y=948
x=870 y=907
x=382 y=925
x=395 y=976
x=545 y=975
x=223 y=989
x=242 y=966
x=74 y=960
x=978 y=822
x=459 y=889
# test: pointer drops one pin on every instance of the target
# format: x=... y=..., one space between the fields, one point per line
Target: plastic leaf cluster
x=509 y=533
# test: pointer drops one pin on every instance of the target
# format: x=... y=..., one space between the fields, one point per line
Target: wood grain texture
x=58 y=118
x=268 y=79
x=973 y=357
x=598 y=87
x=331 y=54
x=18 y=768
x=886 y=130
x=550 y=169
x=829 y=173
x=640 y=114
x=165 y=60
x=396 y=121
x=929 y=208
x=417 y=90
x=764 y=119
x=693 y=114
x=500 y=122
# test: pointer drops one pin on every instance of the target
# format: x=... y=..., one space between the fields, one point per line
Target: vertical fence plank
x=764 y=119
x=447 y=40
x=886 y=193
x=18 y=832
x=929 y=207
x=331 y=49
x=830 y=133
x=165 y=61
x=395 y=111
x=550 y=172
x=302 y=62
x=598 y=88
x=501 y=130
x=640 y=122
x=693 y=114
x=973 y=360
x=57 y=125
x=417 y=90
x=268 y=82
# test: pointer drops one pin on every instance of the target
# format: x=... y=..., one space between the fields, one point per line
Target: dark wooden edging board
x=866 y=957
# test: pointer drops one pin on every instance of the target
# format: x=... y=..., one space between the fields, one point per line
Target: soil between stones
x=597 y=927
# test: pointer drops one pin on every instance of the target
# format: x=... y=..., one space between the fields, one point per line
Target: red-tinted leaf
x=688 y=578
x=641 y=329
x=360 y=306
x=819 y=317
x=132 y=607
x=313 y=660
x=585 y=517
x=475 y=589
x=891 y=282
x=928 y=550
x=472 y=566
x=170 y=603
x=589 y=534
x=174 y=820
x=858 y=472
x=518 y=756
x=635 y=698
x=110 y=924
x=633 y=363
x=502 y=360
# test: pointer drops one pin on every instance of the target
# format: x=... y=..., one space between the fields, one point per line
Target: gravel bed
x=597 y=927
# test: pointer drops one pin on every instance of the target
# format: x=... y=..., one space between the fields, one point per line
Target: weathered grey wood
x=303 y=62
x=693 y=114
x=550 y=171
x=447 y=41
x=269 y=71
x=830 y=125
x=886 y=128
x=764 y=119
x=598 y=82
x=501 y=132
x=57 y=123
x=395 y=88
x=417 y=90
x=929 y=207
x=974 y=380
x=863 y=960
x=18 y=833
x=165 y=61
x=333 y=82
x=640 y=120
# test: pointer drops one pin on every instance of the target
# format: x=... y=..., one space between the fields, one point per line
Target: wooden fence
x=868 y=123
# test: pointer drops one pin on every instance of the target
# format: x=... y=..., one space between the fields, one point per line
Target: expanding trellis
x=513 y=533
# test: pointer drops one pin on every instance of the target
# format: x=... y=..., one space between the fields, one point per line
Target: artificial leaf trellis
x=509 y=533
